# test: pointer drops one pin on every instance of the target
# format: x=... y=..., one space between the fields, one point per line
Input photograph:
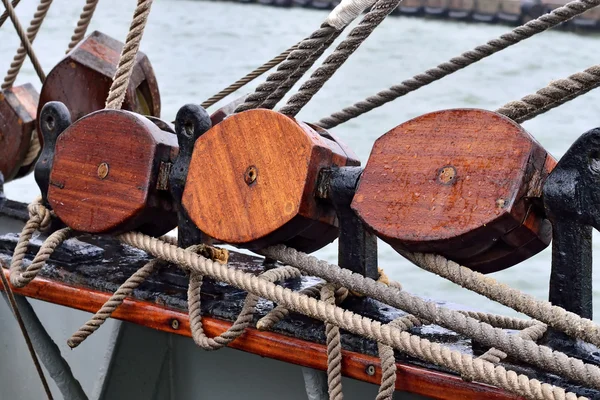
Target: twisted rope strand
x=555 y=94
x=415 y=346
x=84 y=22
x=274 y=98
x=244 y=318
x=355 y=38
x=4 y=15
x=26 y=39
x=543 y=311
x=541 y=356
x=534 y=333
x=315 y=42
x=113 y=303
x=334 y=350
x=388 y=360
x=531 y=28
x=248 y=78
x=118 y=88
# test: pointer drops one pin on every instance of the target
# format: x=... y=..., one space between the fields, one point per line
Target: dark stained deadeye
x=17 y=123
x=462 y=183
x=83 y=78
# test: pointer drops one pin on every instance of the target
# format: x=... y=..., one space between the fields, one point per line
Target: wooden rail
x=436 y=385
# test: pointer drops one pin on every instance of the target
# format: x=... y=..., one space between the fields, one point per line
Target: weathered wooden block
x=252 y=181
x=82 y=79
x=17 y=122
x=110 y=174
x=463 y=183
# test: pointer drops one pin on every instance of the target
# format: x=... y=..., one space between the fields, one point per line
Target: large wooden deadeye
x=462 y=183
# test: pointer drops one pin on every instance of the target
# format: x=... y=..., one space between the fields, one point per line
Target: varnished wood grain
x=104 y=177
x=82 y=79
x=277 y=205
x=410 y=378
x=456 y=182
x=17 y=121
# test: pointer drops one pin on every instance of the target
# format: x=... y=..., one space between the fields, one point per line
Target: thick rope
x=314 y=43
x=415 y=346
x=113 y=303
x=243 y=320
x=248 y=78
x=4 y=15
x=274 y=98
x=355 y=38
x=26 y=39
x=540 y=356
x=531 y=28
x=15 y=309
x=501 y=321
x=84 y=22
x=388 y=360
x=116 y=95
x=534 y=333
x=543 y=311
x=278 y=313
x=20 y=278
x=334 y=350
x=555 y=94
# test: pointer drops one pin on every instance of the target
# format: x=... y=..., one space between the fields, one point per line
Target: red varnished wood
x=17 y=121
x=459 y=183
x=105 y=174
x=410 y=378
x=279 y=205
x=83 y=78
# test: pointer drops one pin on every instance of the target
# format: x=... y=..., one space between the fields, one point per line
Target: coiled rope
x=531 y=28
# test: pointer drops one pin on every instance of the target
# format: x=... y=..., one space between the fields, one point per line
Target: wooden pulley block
x=108 y=172
x=18 y=107
x=463 y=183
x=252 y=182
x=83 y=78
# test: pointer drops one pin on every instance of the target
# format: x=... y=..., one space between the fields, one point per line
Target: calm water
x=197 y=48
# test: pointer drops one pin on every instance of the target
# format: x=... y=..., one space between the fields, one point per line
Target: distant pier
x=512 y=12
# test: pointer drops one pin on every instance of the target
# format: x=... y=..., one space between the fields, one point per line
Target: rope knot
x=39 y=212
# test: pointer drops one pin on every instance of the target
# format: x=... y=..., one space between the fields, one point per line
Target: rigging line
x=15 y=309
x=274 y=98
x=26 y=39
x=304 y=56
x=531 y=28
x=555 y=94
x=314 y=43
x=4 y=15
x=116 y=95
x=84 y=22
x=355 y=38
x=248 y=78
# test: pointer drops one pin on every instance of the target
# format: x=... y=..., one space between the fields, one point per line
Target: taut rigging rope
x=515 y=36
x=84 y=22
x=4 y=15
x=25 y=43
x=344 y=50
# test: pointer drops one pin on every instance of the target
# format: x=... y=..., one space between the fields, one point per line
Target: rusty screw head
x=250 y=175
x=370 y=370
x=175 y=324
x=103 y=170
x=447 y=175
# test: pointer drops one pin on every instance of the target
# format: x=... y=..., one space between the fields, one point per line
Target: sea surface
x=199 y=47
